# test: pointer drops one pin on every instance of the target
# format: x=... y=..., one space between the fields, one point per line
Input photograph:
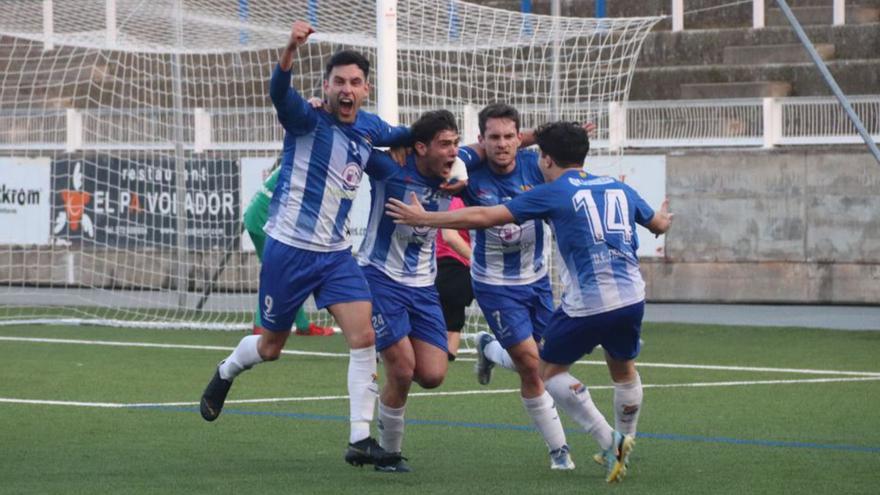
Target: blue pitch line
x=761 y=443
x=509 y=427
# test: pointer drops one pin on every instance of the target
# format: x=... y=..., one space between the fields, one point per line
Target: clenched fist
x=299 y=33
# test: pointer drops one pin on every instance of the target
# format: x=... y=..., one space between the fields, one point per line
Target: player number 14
x=616 y=219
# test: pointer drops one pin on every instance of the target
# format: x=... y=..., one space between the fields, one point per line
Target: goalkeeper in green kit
x=255 y=217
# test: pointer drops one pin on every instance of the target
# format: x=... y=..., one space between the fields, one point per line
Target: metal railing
x=751 y=122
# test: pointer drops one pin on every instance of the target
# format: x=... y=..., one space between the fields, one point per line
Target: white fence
x=758 y=20
x=766 y=122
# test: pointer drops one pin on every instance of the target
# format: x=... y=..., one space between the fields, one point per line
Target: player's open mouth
x=346 y=104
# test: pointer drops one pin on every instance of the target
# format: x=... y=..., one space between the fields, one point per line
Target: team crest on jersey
x=510 y=234
x=578 y=388
x=351 y=176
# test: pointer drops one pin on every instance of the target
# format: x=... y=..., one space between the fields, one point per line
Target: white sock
x=242 y=358
x=362 y=391
x=498 y=355
x=627 y=405
x=391 y=427
x=544 y=416
x=574 y=398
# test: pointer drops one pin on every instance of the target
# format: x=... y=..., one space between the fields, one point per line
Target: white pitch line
x=340 y=355
x=110 y=405
x=118 y=405
x=114 y=343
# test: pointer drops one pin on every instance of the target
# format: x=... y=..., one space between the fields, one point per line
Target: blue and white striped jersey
x=406 y=254
x=508 y=254
x=322 y=163
x=593 y=219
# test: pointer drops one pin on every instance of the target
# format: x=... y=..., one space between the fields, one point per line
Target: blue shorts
x=567 y=339
x=400 y=311
x=290 y=274
x=516 y=312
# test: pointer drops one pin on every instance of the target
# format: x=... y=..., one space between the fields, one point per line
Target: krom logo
x=19 y=197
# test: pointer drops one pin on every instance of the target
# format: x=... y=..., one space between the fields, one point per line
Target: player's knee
x=270 y=351
x=270 y=354
x=360 y=335
x=430 y=381
x=361 y=339
x=530 y=376
x=400 y=373
x=527 y=366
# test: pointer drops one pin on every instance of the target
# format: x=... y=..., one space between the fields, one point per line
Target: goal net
x=133 y=133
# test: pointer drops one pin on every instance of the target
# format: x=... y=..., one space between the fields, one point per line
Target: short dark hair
x=430 y=123
x=567 y=143
x=347 y=57
x=497 y=111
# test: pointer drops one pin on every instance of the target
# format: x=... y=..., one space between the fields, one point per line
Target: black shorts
x=454 y=285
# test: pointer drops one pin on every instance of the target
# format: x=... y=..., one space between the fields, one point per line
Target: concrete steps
x=855 y=77
x=706 y=47
x=757 y=89
x=774 y=54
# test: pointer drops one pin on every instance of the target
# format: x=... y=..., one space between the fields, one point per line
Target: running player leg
x=278 y=298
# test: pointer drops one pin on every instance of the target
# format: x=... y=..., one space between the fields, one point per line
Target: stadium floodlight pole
x=829 y=79
x=179 y=159
x=555 y=85
x=386 y=60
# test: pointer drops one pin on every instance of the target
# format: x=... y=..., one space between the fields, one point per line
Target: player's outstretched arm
x=473 y=217
x=294 y=113
x=299 y=33
x=662 y=219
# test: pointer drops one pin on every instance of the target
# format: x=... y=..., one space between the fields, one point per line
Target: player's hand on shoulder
x=454 y=186
x=299 y=33
x=399 y=154
x=591 y=129
x=316 y=103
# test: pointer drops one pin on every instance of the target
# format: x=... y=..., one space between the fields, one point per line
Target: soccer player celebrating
x=509 y=269
x=400 y=266
x=255 y=216
x=308 y=249
x=603 y=301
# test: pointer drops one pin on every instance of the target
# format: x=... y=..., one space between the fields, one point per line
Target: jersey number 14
x=616 y=218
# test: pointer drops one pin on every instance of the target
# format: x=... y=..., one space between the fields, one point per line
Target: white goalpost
x=134 y=132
